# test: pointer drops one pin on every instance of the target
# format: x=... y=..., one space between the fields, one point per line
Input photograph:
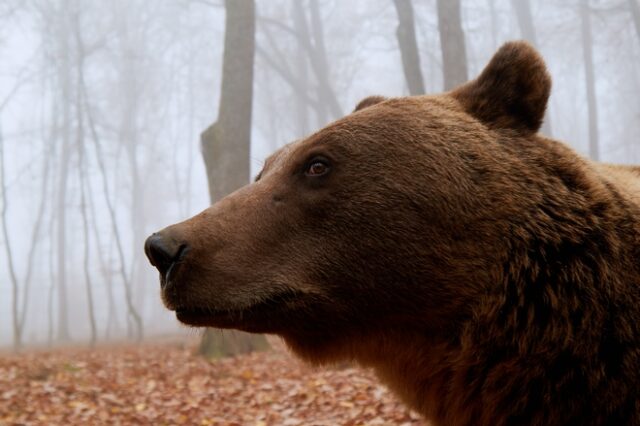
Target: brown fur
x=489 y=275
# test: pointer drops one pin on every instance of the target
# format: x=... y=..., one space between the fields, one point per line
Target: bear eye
x=317 y=167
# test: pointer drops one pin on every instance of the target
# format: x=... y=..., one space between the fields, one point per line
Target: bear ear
x=511 y=92
x=367 y=102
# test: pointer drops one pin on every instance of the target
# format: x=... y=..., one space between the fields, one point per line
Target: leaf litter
x=168 y=384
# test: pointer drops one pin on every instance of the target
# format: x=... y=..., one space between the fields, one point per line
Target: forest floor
x=167 y=384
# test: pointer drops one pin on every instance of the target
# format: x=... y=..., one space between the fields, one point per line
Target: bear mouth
x=260 y=317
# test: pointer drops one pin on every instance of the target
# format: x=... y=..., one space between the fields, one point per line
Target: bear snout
x=163 y=253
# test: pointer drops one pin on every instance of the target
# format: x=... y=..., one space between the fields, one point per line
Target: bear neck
x=562 y=303
x=565 y=303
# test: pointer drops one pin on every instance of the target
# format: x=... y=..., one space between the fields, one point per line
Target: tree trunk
x=494 y=23
x=524 y=16
x=310 y=36
x=35 y=234
x=304 y=41
x=17 y=320
x=82 y=167
x=226 y=144
x=320 y=65
x=129 y=77
x=406 y=34
x=17 y=330
x=87 y=243
x=525 y=20
x=65 y=157
x=587 y=51
x=635 y=14
x=52 y=269
x=278 y=62
x=301 y=70
x=133 y=319
x=454 y=53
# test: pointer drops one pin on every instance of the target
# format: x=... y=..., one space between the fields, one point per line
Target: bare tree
x=494 y=23
x=454 y=53
x=111 y=323
x=130 y=81
x=20 y=302
x=276 y=60
x=37 y=226
x=301 y=69
x=226 y=143
x=635 y=14
x=135 y=320
x=592 y=106
x=52 y=256
x=309 y=32
x=17 y=335
x=308 y=35
x=85 y=230
x=64 y=76
x=320 y=64
x=15 y=305
x=406 y=34
x=525 y=20
x=82 y=166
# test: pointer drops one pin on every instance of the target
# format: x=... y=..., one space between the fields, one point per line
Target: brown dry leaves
x=167 y=384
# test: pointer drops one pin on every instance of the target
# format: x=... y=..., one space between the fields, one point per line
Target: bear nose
x=162 y=252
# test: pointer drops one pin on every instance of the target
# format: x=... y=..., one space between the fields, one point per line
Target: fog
x=102 y=104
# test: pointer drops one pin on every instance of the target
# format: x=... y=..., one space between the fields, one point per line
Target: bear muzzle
x=164 y=253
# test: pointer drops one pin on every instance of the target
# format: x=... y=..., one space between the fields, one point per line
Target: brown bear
x=488 y=274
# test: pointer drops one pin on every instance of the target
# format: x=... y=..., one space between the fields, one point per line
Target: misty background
x=102 y=106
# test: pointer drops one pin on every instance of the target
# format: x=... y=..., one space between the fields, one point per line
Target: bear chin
x=265 y=316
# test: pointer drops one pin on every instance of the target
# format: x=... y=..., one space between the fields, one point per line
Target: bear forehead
x=298 y=150
x=277 y=160
x=376 y=126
